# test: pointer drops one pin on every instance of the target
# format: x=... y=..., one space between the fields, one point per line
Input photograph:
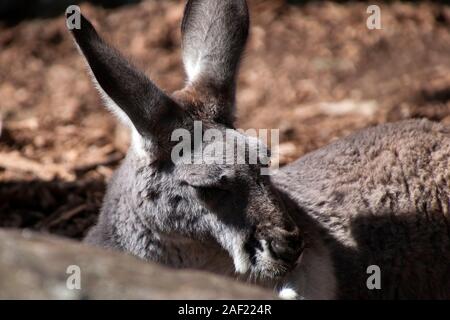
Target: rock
x=34 y=266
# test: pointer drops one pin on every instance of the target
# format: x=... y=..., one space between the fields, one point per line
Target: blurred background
x=312 y=69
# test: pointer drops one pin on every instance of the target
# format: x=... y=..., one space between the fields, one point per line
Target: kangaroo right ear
x=126 y=90
x=214 y=34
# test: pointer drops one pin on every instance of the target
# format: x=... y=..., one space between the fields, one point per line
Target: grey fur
x=182 y=215
x=380 y=196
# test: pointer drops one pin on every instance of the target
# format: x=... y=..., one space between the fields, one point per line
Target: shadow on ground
x=63 y=208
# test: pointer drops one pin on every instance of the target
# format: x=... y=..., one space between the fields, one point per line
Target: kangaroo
x=188 y=216
x=376 y=200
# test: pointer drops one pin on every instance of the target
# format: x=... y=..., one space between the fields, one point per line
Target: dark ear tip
x=73 y=23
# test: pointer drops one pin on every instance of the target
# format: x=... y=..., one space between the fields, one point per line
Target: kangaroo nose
x=286 y=250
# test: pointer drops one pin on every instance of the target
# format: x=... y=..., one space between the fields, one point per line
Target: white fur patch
x=137 y=144
x=265 y=252
x=240 y=258
x=234 y=245
x=193 y=68
x=288 y=294
x=314 y=277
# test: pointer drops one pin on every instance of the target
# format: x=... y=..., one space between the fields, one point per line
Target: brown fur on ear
x=202 y=105
x=214 y=35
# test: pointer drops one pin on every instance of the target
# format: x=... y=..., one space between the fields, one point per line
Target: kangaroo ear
x=214 y=34
x=127 y=91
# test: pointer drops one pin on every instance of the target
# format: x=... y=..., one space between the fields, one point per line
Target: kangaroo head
x=229 y=202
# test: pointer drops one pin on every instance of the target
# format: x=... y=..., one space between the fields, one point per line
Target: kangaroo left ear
x=127 y=91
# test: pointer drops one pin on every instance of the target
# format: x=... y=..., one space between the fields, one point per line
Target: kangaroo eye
x=219 y=183
x=211 y=188
x=223 y=179
x=211 y=196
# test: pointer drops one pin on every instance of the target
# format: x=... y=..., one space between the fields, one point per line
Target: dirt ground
x=314 y=71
